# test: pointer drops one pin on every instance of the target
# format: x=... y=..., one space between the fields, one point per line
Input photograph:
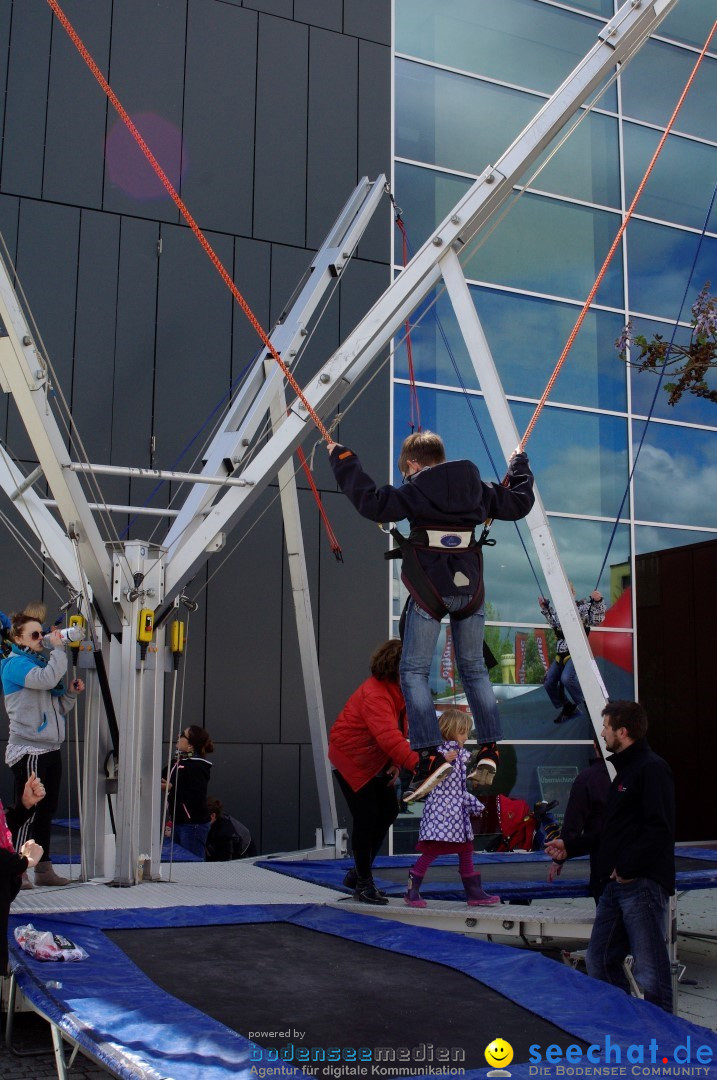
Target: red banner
x=541 y=640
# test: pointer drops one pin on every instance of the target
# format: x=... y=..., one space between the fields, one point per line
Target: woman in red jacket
x=368 y=747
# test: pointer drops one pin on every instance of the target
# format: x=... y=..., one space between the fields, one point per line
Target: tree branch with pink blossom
x=689 y=364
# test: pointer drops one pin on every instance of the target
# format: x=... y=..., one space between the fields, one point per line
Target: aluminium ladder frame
x=110 y=575
x=437 y=260
x=202 y=531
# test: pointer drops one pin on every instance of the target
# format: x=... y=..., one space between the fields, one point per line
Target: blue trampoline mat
x=125 y=1021
x=516 y=876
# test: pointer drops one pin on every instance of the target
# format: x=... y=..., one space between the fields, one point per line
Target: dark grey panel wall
x=326 y=13
x=5 y=17
x=77 y=108
x=147 y=65
x=193 y=359
x=281 y=125
x=244 y=603
x=374 y=132
x=265 y=112
x=135 y=336
x=332 y=142
x=218 y=182
x=95 y=332
x=26 y=100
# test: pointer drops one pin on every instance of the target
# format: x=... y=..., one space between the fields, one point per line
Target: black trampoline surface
x=280 y=978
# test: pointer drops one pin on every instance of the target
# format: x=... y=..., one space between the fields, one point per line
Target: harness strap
x=419 y=584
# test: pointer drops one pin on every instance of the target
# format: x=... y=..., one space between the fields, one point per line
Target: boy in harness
x=442 y=568
x=561 y=681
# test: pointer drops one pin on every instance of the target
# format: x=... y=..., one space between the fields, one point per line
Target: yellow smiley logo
x=499 y=1053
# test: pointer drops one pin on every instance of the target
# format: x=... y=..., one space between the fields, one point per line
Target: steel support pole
x=482 y=359
x=141 y=701
x=97 y=745
x=151 y=830
x=307 y=636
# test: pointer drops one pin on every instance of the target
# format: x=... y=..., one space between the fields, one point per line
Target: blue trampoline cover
x=137 y=1030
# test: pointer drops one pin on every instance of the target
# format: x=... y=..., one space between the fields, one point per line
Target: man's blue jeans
x=419 y=642
x=562 y=678
x=631 y=920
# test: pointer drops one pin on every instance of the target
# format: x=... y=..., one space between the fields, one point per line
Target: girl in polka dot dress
x=446 y=823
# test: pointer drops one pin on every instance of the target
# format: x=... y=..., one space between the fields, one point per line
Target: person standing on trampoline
x=186 y=788
x=368 y=746
x=442 y=568
x=634 y=868
x=37 y=703
x=446 y=827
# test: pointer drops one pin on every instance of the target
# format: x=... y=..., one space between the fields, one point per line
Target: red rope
x=176 y=198
x=613 y=248
x=331 y=535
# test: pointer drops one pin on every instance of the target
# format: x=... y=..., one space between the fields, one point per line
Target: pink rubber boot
x=476 y=894
x=413 y=896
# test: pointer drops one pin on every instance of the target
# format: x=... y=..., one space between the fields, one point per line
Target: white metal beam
x=537 y=521
x=52 y=540
x=306 y=634
x=23 y=373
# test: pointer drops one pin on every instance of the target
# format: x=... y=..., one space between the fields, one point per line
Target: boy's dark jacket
x=449 y=495
x=638 y=834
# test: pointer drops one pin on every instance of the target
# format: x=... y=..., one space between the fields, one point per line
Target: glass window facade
x=468 y=79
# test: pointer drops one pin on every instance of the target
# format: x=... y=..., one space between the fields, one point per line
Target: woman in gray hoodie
x=37 y=702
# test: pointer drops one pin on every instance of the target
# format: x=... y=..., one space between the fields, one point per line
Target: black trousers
x=48 y=768
x=374 y=808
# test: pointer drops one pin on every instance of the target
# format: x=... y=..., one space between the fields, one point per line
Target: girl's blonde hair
x=455 y=722
x=36 y=610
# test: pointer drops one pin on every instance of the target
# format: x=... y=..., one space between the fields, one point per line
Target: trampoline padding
x=108 y=1000
x=515 y=876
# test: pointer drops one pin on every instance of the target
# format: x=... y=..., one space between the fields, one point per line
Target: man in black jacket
x=634 y=861
x=443 y=572
x=585 y=813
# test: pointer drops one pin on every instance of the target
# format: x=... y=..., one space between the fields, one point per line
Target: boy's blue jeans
x=631 y=920
x=419 y=642
x=561 y=684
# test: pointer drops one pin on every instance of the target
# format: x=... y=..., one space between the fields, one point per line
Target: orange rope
x=223 y=273
x=616 y=241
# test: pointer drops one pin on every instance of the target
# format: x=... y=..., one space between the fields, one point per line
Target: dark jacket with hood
x=450 y=495
x=585 y=812
x=638 y=834
x=187 y=801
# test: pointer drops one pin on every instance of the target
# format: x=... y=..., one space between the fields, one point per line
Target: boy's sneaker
x=484 y=765
x=431 y=770
x=569 y=710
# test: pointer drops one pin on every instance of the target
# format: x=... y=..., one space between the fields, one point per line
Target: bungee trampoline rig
x=132 y=593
